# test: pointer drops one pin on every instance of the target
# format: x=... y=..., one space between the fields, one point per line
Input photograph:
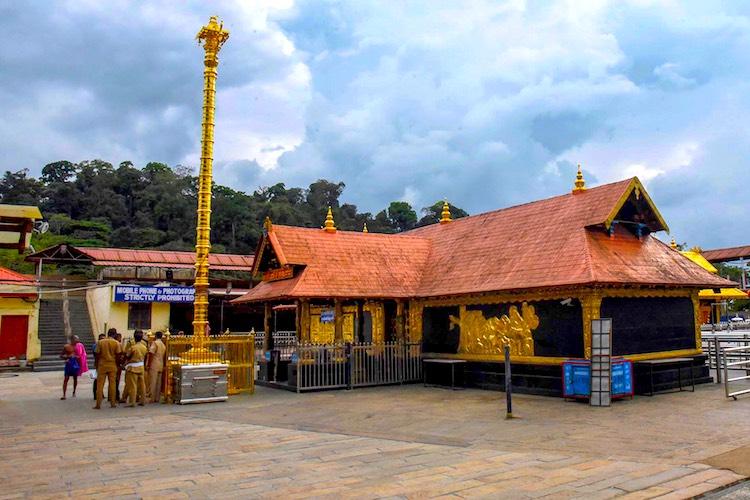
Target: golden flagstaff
x=212 y=36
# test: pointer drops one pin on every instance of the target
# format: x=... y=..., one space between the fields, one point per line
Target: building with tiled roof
x=531 y=276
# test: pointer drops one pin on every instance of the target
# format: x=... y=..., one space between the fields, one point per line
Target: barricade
x=743 y=363
x=713 y=344
x=336 y=366
x=237 y=351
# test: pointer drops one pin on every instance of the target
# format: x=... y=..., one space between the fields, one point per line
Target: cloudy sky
x=487 y=104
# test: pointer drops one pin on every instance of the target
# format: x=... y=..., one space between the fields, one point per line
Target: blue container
x=577 y=378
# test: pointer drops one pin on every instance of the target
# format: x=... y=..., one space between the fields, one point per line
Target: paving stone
x=397 y=442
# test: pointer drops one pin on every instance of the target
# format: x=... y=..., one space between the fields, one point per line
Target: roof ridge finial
x=364 y=229
x=267 y=224
x=580 y=184
x=445 y=216
x=330 y=226
x=673 y=244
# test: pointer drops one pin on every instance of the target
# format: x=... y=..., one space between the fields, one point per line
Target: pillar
x=400 y=321
x=298 y=319
x=338 y=317
x=304 y=321
x=697 y=318
x=591 y=304
x=267 y=340
x=359 y=330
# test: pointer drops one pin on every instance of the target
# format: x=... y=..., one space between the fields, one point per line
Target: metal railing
x=729 y=353
x=321 y=366
x=237 y=351
x=356 y=365
x=713 y=344
x=726 y=326
x=384 y=364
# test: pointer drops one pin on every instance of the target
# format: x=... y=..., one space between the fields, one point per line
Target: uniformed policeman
x=135 y=384
x=107 y=351
x=156 y=367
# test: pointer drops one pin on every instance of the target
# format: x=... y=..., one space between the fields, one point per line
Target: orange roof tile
x=7 y=275
x=345 y=264
x=143 y=258
x=555 y=242
x=727 y=254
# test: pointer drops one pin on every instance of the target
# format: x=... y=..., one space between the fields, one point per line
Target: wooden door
x=13 y=332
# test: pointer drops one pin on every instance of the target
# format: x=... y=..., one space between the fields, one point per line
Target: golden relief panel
x=414 y=328
x=324 y=333
x=377 y=313
x=481 y=335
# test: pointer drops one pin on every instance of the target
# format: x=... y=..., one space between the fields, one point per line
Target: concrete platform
x=405 y=441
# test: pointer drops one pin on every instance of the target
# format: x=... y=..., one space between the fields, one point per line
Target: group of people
x=141 y=359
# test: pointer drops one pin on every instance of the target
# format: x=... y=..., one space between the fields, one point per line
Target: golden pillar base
x=199 y=356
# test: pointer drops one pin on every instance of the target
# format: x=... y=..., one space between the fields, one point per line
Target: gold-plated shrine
x=532 y=277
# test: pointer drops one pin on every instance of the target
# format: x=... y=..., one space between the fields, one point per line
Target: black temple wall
x=650 y=324
x=437 y=335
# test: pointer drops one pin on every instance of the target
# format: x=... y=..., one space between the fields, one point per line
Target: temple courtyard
x=406 y=441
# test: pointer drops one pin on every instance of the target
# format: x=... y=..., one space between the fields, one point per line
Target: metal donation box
x=577 y=378
x=201 y=383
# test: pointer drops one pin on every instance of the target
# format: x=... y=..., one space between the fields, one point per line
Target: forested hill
x=94 y=203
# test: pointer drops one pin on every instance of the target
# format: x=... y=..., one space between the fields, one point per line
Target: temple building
x=531 y=276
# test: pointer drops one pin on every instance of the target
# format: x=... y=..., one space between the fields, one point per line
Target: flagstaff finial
x=212 y=36
x=330 y=226
x=579 y=185
x=364 y=229
x=673 y=244
x=445 y=216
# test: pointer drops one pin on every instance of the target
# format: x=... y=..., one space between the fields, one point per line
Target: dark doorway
x=181 y=318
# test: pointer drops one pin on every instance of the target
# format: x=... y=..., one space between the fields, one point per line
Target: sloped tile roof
x=554 y=242
x=109 y=257
x=346 y=264
x=727 y=254
x=7 y=275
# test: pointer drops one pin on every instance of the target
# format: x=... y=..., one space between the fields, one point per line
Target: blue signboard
x=326 y=316
x=137 y=293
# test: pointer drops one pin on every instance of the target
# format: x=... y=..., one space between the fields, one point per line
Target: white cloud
x=486 y=103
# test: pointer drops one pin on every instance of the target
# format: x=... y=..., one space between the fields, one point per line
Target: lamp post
x=212 y=36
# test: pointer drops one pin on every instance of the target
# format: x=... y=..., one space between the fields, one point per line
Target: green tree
x=401 y=216
x=17 y=188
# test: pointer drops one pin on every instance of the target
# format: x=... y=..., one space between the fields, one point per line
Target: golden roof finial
x=267 y=224
x=329 y=227
x=673 y=244
x=364 y=229
x=445 y=216
x=579 y=185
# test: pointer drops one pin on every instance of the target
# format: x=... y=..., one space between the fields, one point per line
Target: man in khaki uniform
x=156 y=367
x=135 y=384
x=106 y=352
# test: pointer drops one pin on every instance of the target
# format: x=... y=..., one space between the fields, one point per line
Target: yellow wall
x=15 y=306
x=106 y=313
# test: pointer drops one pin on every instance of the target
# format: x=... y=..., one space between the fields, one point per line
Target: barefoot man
x=72 y=365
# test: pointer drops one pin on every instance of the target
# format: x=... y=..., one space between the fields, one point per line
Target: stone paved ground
x=393 y=441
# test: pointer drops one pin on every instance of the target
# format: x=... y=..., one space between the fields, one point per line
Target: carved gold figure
x=480 y=335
